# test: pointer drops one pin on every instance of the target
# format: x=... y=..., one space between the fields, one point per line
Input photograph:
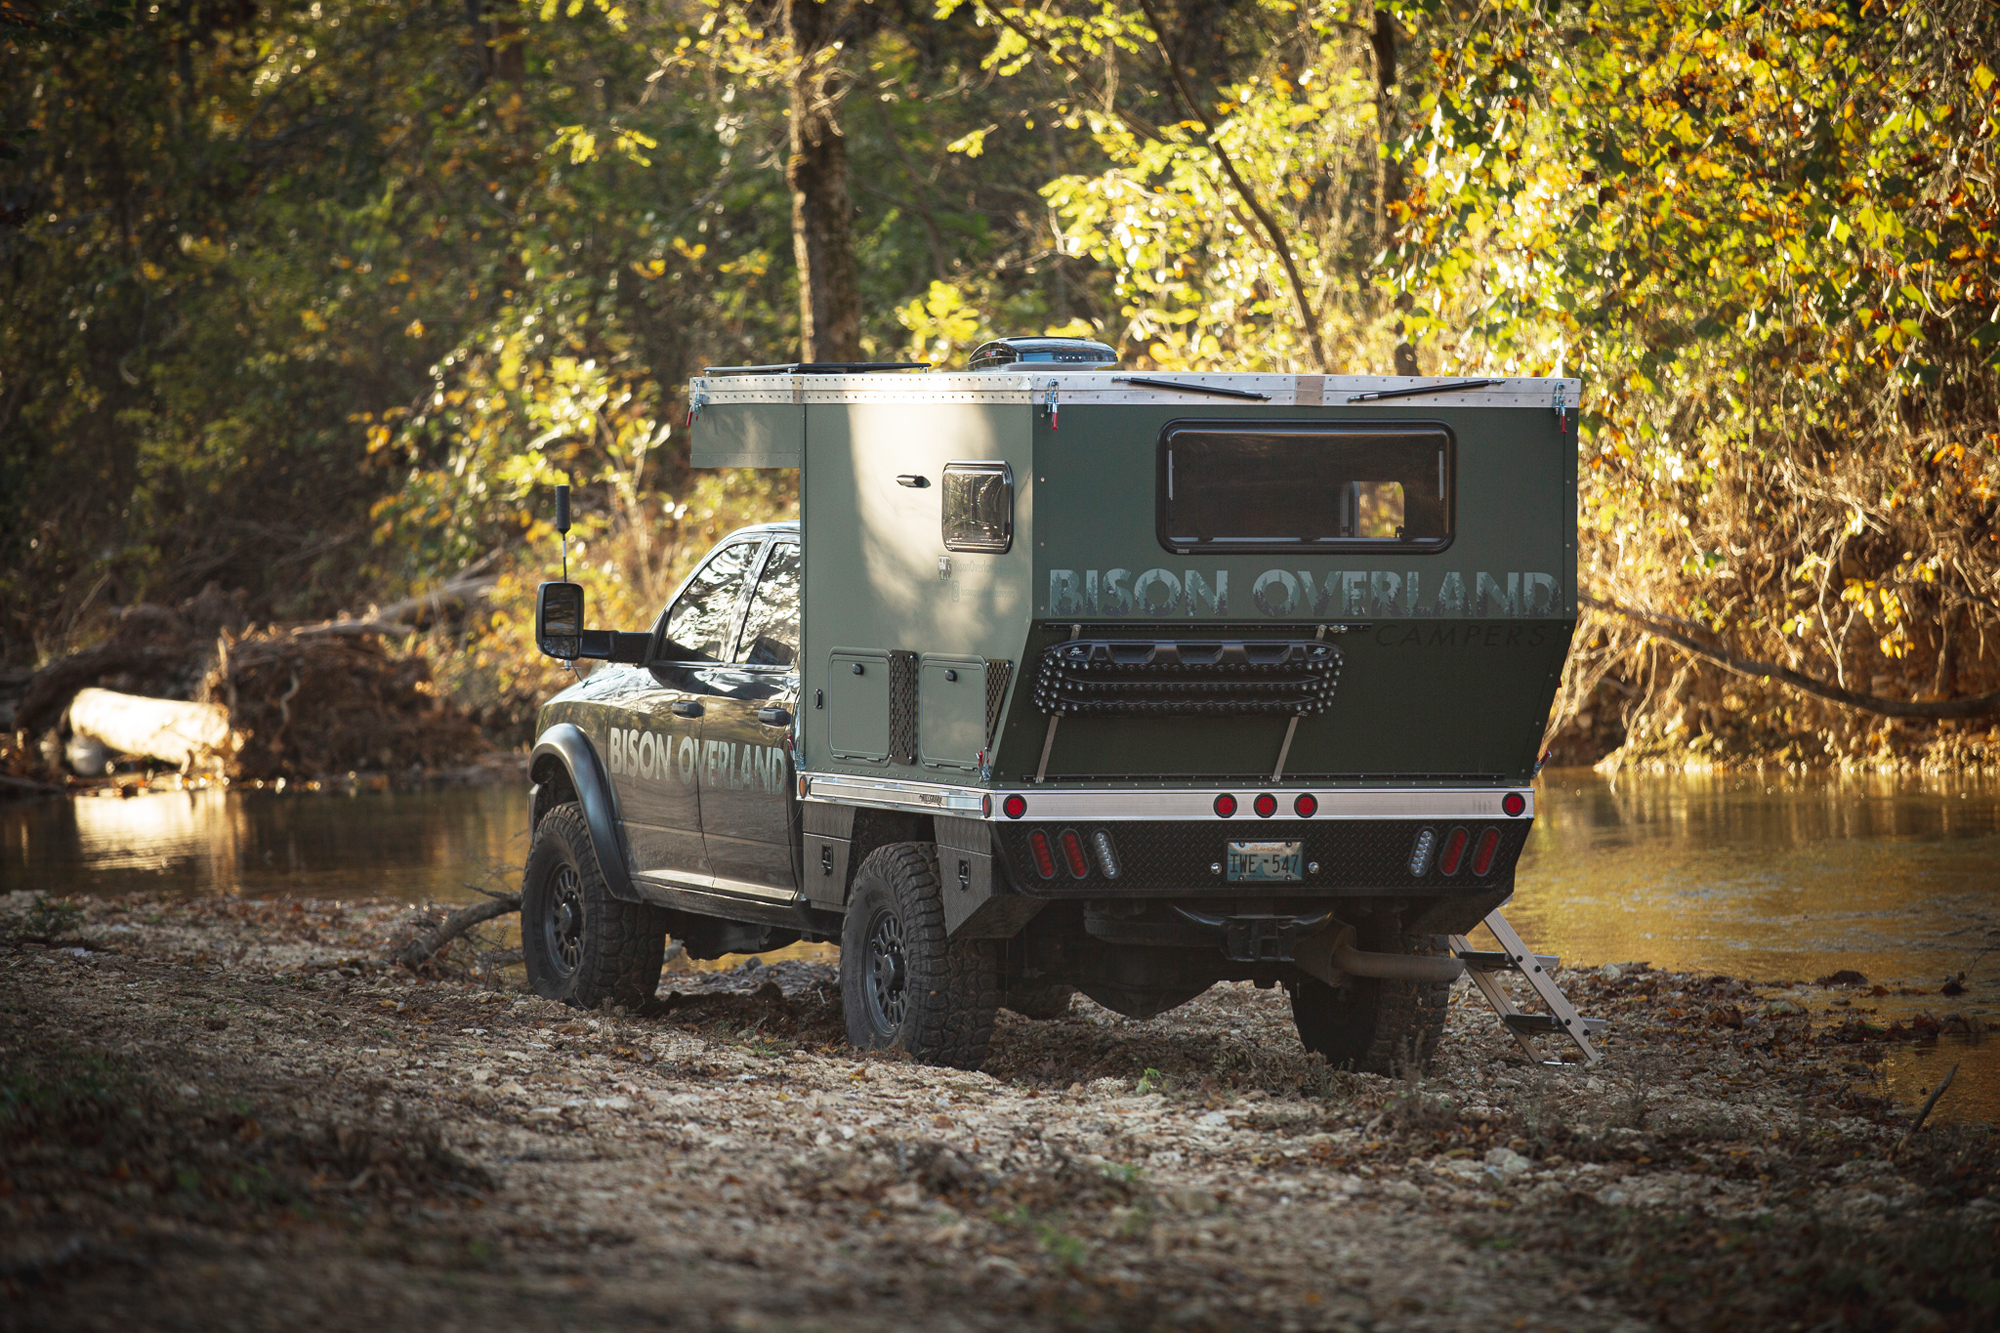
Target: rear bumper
x=1188 y=859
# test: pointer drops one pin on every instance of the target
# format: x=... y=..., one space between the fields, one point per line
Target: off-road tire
x=602 y=951
x=903 y=985
x=1041 y=1000
x=1375 y=1026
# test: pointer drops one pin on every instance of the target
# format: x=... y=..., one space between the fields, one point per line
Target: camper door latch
x=1049 y=404
x=696 y=401
x=1562 y=407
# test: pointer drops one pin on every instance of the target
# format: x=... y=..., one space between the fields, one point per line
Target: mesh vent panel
x=902 y=707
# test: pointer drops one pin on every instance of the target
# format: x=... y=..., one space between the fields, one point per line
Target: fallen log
x=191 y=736
x=426 y=940
x=1982 y=705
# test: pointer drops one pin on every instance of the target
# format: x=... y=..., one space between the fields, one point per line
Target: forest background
x=309 y=305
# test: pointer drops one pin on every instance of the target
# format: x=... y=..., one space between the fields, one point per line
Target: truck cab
x=1072 y=680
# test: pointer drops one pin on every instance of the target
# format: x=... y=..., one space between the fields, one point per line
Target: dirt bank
x=224 y=1114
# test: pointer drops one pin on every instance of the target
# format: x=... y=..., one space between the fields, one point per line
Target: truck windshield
x=1304 y=485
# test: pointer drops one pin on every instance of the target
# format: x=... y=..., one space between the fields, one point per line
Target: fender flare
x=570 y=747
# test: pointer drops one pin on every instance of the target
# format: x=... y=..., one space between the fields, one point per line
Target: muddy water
x=1784 y=880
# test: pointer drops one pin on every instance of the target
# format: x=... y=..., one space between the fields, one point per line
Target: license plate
x=1265 y=862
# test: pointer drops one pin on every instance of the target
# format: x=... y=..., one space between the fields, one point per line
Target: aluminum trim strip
x=1171 y=802
x=713 y=884
x=1084 y=388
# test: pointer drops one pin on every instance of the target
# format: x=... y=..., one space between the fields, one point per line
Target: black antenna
x=562 y=526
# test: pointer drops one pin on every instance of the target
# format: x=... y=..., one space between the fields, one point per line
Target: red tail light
x=1045 y=860
x=1482 y=855
x=1225 y=805
x=1306 y=806
x=1015 y=806
x=1079 y=860
x=1454 y=851
x=1513 y=803
x=1266 y=805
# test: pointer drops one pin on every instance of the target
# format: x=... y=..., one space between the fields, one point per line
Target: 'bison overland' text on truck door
x=655 y=747
x=745 y=771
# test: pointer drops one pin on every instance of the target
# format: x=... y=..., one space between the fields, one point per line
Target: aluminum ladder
x=1561 y=1020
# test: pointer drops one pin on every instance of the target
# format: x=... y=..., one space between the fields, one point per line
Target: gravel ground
x=224 y=1114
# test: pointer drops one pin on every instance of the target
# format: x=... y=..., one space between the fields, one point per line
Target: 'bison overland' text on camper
x=1069 y=679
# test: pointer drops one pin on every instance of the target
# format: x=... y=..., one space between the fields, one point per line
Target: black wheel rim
x=886 y=985
x=563 y=926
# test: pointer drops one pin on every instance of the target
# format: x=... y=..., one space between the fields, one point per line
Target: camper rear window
x=978 y=507
x=1305 y=485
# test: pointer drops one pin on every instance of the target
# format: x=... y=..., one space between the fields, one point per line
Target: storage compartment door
x=857 y=705
x=951 y=711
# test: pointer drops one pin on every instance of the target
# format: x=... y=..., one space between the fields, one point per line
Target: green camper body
x=1451 y=658
x=1126 y=684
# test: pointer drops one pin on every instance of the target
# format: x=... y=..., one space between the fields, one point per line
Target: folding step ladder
x=1561 y=1020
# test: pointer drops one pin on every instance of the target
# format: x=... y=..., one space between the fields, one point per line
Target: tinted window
x=701 y=617
x=978 y=507
x=1321 y=485
x=771 y=630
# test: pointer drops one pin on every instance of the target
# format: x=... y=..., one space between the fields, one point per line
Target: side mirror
x=559 y=630
x=559 y=620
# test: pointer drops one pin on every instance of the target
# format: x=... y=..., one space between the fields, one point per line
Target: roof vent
x=1043 y=354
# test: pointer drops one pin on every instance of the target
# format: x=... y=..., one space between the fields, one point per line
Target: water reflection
x=414 y=846
x=1791 y=880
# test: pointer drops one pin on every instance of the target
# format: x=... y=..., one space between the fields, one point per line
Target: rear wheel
x=1375 y=1026
x=903 y=985
x=581 y=945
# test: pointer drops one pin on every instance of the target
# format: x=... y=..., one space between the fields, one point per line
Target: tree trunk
x=822 y=236
x=1388 y=171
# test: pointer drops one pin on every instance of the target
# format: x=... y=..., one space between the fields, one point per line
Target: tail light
x=1045 y=860
x=1420 y=852
x=1454 y=851
x=1015 y=806
x=1513 y=803
x=1079 y=864
x=1225 y=805
x=1306 y=806
x=1267 y=805
x=1107 y=853
x=1482 y=855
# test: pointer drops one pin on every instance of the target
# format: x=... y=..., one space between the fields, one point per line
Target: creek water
x=1769 y=879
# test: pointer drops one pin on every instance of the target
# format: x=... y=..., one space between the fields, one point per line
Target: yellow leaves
x=652 y=268
x=414 y=329
x=378 y=439
x=312 y=321
x=1982 y=78
x=582 y=144
x=691 y=253
x=971 y=144
x=151 y=272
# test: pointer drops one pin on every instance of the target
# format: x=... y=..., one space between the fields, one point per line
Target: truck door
x=655 y=745
x=748 y=814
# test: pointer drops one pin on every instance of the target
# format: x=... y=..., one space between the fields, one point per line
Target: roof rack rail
x=817 y=368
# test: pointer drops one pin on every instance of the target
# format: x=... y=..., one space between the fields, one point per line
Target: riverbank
x=227 y=1113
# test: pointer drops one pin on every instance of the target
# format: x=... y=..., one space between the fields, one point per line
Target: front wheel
x=581 y=945
x=903 y=985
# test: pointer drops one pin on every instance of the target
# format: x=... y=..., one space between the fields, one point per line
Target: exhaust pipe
x=1332 y=957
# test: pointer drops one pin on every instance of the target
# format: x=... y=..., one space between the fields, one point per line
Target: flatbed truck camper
x=1074 y=679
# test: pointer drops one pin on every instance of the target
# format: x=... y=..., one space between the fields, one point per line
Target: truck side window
x=1305 y=486
x=978 y=507
x=700 y=619
x=771 y=631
